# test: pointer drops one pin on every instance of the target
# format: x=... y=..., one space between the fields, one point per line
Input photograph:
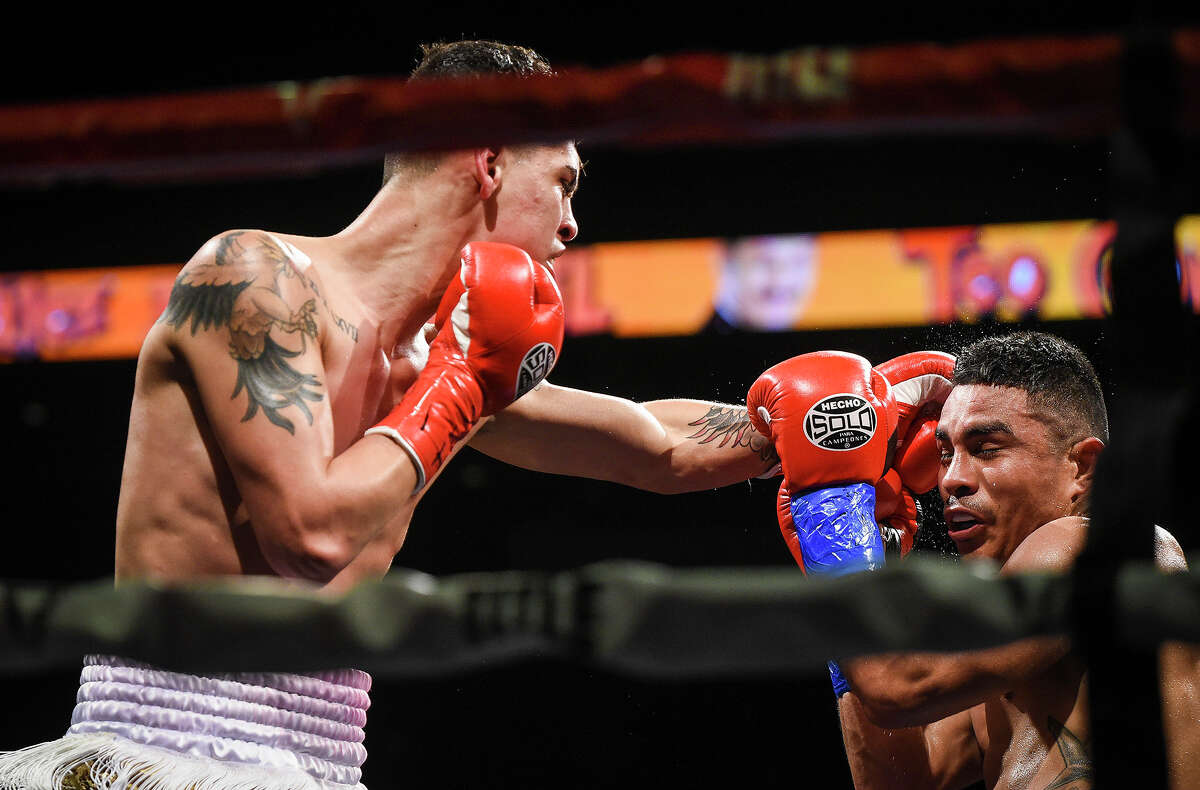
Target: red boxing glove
x=501 y=331
x=896 y=514
x=830 y=417
x=920 y=382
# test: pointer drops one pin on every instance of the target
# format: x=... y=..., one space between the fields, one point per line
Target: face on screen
x=765 y=281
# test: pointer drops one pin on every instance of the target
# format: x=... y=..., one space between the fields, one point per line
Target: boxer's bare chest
x=1037 y=736
x=364 y=379
x=364 y=382
x=356 y=377
x=362 y=373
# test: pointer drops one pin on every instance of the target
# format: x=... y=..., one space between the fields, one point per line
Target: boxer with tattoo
x=277 y=352
x=295 y=400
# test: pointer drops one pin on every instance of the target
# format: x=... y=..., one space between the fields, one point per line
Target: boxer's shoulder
x=236 y=266
x=1168 y=554
x=1051 y=547
x=239 y=288
x=1056 y=544
x=250 y=250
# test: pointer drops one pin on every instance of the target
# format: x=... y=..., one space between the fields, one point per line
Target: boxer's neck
x=400 y=253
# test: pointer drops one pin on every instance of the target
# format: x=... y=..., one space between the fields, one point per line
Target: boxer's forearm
x=667 y=446
x=316 y=526
x=944 y=754
x=712 y=444
x=905 y=689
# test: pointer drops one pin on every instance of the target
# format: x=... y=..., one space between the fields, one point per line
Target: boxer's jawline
x=211 y=295
x=731 y=425
x=1077 y=765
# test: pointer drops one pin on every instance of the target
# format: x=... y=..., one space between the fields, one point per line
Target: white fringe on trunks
x=135 y=726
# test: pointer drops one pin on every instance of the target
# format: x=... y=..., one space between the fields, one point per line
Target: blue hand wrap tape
x=840 y=684
x=837 y=531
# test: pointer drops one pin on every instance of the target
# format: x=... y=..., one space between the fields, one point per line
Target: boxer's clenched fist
x=830 y=417
x=896 y=513
x=920 y=382
x=500 y=332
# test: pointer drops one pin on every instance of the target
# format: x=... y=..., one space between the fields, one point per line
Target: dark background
x=547 y=723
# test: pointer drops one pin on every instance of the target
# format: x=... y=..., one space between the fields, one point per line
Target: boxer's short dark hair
x=1057 y=376
x=463 y=59
x=467 y=58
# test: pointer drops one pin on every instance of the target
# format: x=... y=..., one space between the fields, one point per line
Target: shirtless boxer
x=1019 y=436
x=262 y=408
x=289 y=411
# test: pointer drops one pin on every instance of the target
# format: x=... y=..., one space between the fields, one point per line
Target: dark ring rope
x=631 y=617
x=1055 y=87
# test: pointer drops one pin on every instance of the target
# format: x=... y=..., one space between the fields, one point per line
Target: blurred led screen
x=1048 y=270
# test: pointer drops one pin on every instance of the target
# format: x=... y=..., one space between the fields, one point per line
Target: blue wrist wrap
x=838 y=535
x=840 y=684
x=837 y=531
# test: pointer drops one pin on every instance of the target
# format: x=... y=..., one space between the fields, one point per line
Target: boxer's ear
x=1084 y=454
x=487 y=171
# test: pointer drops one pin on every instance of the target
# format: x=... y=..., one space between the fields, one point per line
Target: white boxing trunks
x=140 y=728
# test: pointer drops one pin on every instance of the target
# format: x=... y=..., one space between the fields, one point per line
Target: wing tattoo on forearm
x=731 y=425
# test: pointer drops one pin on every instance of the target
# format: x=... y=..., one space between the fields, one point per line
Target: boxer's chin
x=971 y=540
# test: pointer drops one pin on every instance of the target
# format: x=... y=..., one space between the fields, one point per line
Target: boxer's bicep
x=269 y=414
x=247 y=331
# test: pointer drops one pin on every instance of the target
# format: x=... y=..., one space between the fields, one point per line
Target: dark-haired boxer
x=1019 y=437
x=290 y=410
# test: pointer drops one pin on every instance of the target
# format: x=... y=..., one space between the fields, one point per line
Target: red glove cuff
x=436 y=413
